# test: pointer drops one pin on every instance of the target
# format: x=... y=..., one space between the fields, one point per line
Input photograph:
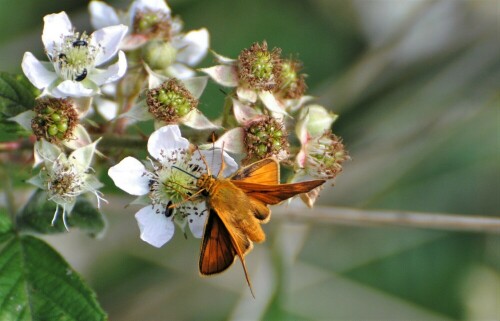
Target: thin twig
x=350 y=216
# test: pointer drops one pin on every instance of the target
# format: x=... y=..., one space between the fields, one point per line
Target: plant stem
x=351 y=216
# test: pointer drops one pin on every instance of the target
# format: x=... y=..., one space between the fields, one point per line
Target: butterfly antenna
x=247 y=277
x=204 y=161
x=180 y=169
x=222 y=163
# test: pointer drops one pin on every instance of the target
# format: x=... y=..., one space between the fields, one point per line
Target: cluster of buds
x=139 y=66
x=54 y=120
x=269 y=94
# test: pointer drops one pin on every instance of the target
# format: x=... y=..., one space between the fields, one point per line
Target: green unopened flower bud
x=315 y=119
x=265 y=137
x=52 y=130
x=55 y=119
x=258 y=68
x=153 y=24
x=170 y=102
x=62 y=127
x=292 y=84
x=159 y=54
x=325 y=155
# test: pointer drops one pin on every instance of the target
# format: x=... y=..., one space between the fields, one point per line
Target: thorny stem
x=351 y=216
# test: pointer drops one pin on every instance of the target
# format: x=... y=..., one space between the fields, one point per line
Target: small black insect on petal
x=80 y=43
x=169 y=210
x=81 y=76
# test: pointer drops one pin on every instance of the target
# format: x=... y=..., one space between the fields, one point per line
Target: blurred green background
x=417 y=87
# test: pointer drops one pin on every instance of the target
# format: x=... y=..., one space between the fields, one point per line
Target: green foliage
x=16 y=96
x=37 y=284
x=38 y=213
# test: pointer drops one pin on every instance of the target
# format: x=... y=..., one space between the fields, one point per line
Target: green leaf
x=37 y=284
x=38 y=213
x=5 y=225
x=16 y=94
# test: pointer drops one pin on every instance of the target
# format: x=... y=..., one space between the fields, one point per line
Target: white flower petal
x=243 y=112
x=128 y=175
x=180 y=71
x=56 y=26
x=80 y=138
x=232 y=141
x=36 y=72
x=112 y=73
x=213 y=157
x=272 y=103
x=196 y=85
x=195 y=119
x=246 y=94
x=165 y=139
x=223 y=75
x=156 y=229
x=69 y=88
x=197 y=218
x=24 y=119
x=108 y=40
x=102 y=15
x=192 y=47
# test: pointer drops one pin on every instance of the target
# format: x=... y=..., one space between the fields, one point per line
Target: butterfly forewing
x=274 y=194
x=265 y=171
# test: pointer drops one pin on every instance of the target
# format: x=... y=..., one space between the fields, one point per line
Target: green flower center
x=180 y=105
x=265 y=138
x=262 y=66
x=147 y=21
x=288 y=75
x=153 y=24
x=54 y=120
x=64 y=183
x=170 y=102
x=75 y=58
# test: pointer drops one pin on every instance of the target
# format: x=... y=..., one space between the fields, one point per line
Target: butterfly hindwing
x=220 y=247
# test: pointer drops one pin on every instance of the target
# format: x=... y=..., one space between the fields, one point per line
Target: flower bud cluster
x=139 y=66
x=54 y=120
